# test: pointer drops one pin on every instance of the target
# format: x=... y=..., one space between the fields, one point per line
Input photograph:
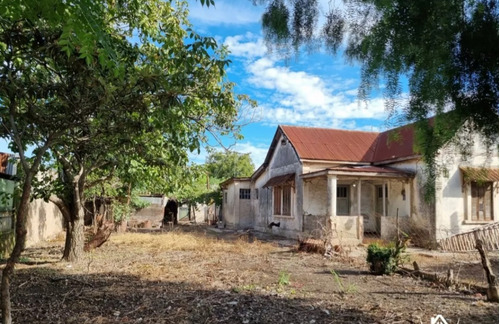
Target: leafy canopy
x=228 y=164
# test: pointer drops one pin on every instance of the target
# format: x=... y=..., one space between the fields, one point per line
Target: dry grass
x=191 y=276
x=190 y=242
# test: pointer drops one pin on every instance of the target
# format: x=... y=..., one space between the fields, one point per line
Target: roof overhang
x=479 y=174
x=334 y=162
x=280 y=180
x=362 y=172
x=230 y=180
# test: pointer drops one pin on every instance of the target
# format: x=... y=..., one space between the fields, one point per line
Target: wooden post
x=492 y=292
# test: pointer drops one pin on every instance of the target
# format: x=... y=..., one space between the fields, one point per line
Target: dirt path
x=202 y=277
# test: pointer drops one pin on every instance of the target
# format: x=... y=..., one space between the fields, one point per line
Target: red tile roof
x=351 y=146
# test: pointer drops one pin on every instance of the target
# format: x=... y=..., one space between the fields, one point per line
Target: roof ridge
x=333 y=129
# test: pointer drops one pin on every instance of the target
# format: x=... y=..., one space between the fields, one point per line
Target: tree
x=228 y=164
x=447 y=50
x=75 y=88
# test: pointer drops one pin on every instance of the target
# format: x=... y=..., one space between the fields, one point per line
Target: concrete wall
x=236 y=212
x=389 y=226
x=44 y=221
x=348 y=230
x=283 y=161
x=453 y=195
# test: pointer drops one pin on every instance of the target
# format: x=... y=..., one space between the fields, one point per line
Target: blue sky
x=311 y=90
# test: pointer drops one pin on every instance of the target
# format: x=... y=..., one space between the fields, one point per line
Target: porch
x=353 y=202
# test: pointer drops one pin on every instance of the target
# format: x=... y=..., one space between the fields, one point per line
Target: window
x=244 y=193
x=379 y=192
x=256 y=193
x=481 y=201
x=342 y=192
x=342 y=200
x=282 y=200
x=277 y=200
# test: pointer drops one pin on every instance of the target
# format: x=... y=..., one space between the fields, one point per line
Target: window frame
x=283 y=194
x=478 y=192
x=245 y=193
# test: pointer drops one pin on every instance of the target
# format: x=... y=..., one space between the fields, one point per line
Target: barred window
x=244 y=193
x=277 y=200
x=282 y=200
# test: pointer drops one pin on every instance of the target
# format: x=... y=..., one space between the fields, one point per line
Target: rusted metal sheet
x=331 y=144
x=480 y=174
x=395 y=144
x=279 y=180
x=372 y=169
x=351 y=146
x=4 y=162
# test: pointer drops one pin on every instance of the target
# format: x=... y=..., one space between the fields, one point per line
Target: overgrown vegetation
x=343 y=289
x=284 y=279
x=385 y=259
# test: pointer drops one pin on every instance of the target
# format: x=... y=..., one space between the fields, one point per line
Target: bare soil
x=196 y=275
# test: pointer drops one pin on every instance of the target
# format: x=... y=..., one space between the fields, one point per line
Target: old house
x=317 y=181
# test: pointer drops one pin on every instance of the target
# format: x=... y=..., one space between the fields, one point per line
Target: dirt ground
x=193 y=274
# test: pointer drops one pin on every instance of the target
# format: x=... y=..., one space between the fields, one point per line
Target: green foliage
x=385 y=259
x=138 y=203
x=284 y=279
x=228 y=164
x=351 y=288
x=114 y=91
x=121 y=211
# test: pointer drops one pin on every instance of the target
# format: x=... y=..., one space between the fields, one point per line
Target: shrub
x=385 y=260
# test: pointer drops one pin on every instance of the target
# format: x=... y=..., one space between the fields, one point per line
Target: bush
x=385 y=260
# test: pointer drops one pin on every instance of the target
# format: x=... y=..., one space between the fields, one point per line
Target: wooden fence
x=467 y=241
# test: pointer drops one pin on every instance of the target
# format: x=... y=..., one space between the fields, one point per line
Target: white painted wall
x=44 y=222
x=236 y=212
x=283 y=161
x=452 y=197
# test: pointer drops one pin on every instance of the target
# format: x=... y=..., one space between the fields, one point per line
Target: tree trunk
x=20 y=236
x=75 y=238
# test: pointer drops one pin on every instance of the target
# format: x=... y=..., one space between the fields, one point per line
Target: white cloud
x=257 y=152
x=300 y=97
x=225 y=12
x=245 y=49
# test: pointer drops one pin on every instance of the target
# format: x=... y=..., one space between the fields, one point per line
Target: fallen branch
x=102 y=235
x=492 y=292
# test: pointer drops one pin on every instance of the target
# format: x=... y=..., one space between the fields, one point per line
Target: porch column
x=359 y=197
x=384 y=212
x=331 y=196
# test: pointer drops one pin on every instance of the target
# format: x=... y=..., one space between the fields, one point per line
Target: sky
x=312 y=89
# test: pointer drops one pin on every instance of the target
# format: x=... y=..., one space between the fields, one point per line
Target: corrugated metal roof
x=371 y=169
x=395 y=144
x=332 y=144
x=480 y=174
x=281 y=179
x=351 y=146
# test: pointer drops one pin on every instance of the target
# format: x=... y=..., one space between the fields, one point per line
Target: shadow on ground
x=46 y=296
